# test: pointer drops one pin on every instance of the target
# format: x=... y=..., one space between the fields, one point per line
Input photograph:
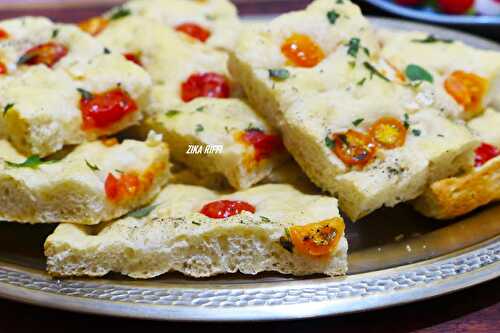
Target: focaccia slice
x=221 y=137
x=466 y=76
x=456 y=196
x=95 y=182
x=288 y=232
x=341 y=96
x=62 y=87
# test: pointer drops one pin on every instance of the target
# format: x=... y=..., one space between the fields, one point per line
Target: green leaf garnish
x=416 y=132
x=199 y=128
x=142 y=212
x=417 y=73
x=120 y=13
x=33 y=162
x=279 y=74
x=200 y=109
x=358 y=121
x=55 y=32
x=329 y=142
x=7 y=108
x=265 y=219
x=91 y=166
x=353 y=47
x=86 y=95
x=332 y=16
x=172 y=113
x=432 y=39
x=374 y=71
x=406 y=122
x=361 y=82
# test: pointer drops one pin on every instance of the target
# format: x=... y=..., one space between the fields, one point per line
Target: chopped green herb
x=107 y=51
x=265 y=219
x=7 y=108
x=172 y=113
x=416 y=132
x=279 y=74
x=432 y=39
x=91 y=166
x=200 y=109
x=285 y=241
x=352 y=64
x=340 y=2
x=353 y=47
x=199 y=128
x=120 y=13
x=361 y=82
x=417 y=73
x=329 y=142
x=367 y=52
x=32 y=162
x=86 y=95
x=357 y=121
x=332 y=16
x=142 y=212
x=195 y=223
x=118 y=171
x=374 y=71
x=55 y=33
x=406 y=120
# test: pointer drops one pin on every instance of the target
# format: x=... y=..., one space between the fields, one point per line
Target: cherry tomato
x=205 y=85
x=105 y=109
x=455 y=7
x=134 y=58
x=317 y=239
x=94 y=25
x=226 y=208
x=194 y=30
x=110 y=142
x=388 y=132
x=484 y=153
x=468 y=90
x=3 y=68
x=264 y=144
x=125 y=186
x=302 y=51
x=111 y=187
x=354 y=148
x=48 y=54
x=3 y=34
x=409 y=2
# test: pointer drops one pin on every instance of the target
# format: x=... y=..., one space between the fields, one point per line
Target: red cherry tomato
x=3 y=34
x=194 y=30
x=226 y=208
x=484 y=153
x=125 y=186
x=105 y=109
x=205 y=85
x=3 y=68
x=49 y=54
x=264 y=144
x=111 y=187
x=133 y=57
x=409 y=2
x=455 y=7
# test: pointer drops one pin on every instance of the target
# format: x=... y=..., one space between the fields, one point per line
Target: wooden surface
x=473 y=310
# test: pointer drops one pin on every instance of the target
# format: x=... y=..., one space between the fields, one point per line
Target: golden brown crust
x=456 y=196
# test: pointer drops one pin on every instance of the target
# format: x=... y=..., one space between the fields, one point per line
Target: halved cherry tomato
x=3 y=68
x=226 y=208
x=264 y=144
x=94 y=25
x=3 y=34
x=133 y=57
x=484 y=153
x=111 y=186
x=317 y=239
x=302 y=51
x=194 y=30
x=468 y=89
x=455 y=7
x=205 y=85
x=125 y=186
x=49 y=54
x=388 y=132
x=105 y=109
x=354 y=148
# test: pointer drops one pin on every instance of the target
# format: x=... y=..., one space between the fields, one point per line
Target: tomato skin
x=264 y=144
x=455 y=7
x=226 y=208
x=194 y=30
x=205 y=85
x=94 y=25
x=302 y=51
x=409 y=2
x=317 y=239
x=111 y=187
x=388 y=132
x=3 y=68
x=354 y=148
x=125 y=186
x=484 y=153
x=3 y=34
x=133 y=58
x=48 y=54
x=105 y=109
x=468 y=90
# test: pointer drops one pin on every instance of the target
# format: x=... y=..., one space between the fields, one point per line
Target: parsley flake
x=361 y=82
x=279 y=74
x=406 y=121
x=86 y=95
x=416 y=132
x=120 y=13
x=199 y=128
x=33 y=162
x=416 y=73
x=433 y=39
x=332 y=16
x=142 y=212
x=7 y=108
x=196 y=223
x=107 y=51
x=91 y=166
x=265 y=219
x=55 y=33
x=200 y=109
x=172 y=113
x=329 y=142
x=358 y=121
x=374 y=71
x=353 y=47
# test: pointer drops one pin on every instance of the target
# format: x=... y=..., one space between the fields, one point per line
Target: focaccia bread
x=267 y=228
x=62 y=87
x=95 y=182
x=456 y=196
x=467 y=76
x=291 y=173
x=221 y=137
x=357 y=127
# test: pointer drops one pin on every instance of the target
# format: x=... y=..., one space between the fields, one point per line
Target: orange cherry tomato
x=354 y=148
x=49 y=54
x=3 y=68
x=194 y=30
x=264 y=144
x=105 y=109
x=205 y=85
x=468 y=90
x=484 y=153
x=110 y=142
x=302 y=51
x=226 y=208
x=317 y=239
x=94 y=25
x=388 y=132
x=125 y=186
x=3 y=34
x=133 y=58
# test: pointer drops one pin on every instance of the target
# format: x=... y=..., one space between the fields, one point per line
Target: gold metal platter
x=396 y=256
